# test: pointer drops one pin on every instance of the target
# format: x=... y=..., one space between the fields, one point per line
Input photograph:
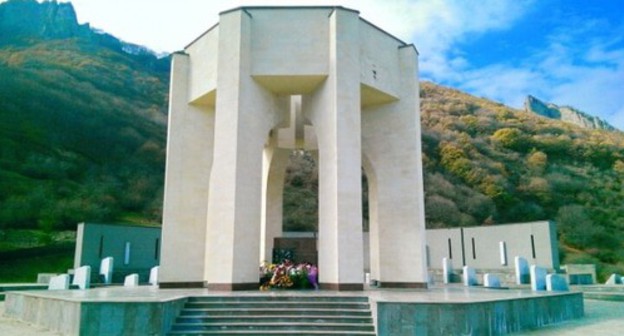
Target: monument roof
x=246 y=9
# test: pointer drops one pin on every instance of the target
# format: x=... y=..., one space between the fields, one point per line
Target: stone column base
x=422 y=285
x=196 y=284
x=342 y=286
x=229 y=287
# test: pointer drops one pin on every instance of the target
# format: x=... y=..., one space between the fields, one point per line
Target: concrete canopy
x=265 y=81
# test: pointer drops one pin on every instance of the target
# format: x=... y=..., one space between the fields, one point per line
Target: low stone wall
x=476 y=318
x=441 y=311
x=58 y=315
x=128 y=318
x=94 y=318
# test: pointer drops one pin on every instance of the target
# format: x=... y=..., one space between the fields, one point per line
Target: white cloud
x=503 y=83
x=433 y=25
x=578 y=68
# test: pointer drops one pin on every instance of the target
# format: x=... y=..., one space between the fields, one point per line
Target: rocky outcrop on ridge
x=565 y=113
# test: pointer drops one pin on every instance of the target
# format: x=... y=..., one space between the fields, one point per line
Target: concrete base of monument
x=449 y=310
x=455 y=310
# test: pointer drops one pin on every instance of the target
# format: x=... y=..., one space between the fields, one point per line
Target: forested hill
x=82 y=138
x=82 y=121
x=486 y=163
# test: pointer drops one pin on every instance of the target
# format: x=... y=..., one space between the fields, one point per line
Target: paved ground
x=603 y=318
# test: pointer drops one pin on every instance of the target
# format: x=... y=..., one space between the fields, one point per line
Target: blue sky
x=569 y=52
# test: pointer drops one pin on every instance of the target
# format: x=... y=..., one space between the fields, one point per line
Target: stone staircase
x=602 y=292
x=275 y=315
x=19 y=287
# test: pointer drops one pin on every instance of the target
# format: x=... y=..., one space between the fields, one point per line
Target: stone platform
x=437 y=311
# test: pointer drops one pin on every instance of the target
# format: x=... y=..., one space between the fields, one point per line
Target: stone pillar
x=391 y=143
x=189 y=160
x=373 y=219
x=274 y=172
x=334 y=109
x=245 y=114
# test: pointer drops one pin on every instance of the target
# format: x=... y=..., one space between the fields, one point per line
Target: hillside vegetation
x=82 y=122
x=486 y=163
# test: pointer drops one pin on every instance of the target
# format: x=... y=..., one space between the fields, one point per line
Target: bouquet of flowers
x=288 y=276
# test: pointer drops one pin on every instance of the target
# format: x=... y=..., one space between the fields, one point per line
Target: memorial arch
x=265 y=81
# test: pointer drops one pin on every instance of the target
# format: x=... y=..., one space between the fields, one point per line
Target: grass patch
x=136 y=219
x=25 y=253
x=26 y=269
x=21 y=239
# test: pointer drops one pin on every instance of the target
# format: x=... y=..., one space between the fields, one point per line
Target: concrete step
x=4 y=288
x=286 y=317
x=283 y=305
x=600 y=288
x=280 y=298
x=272 y=311
x=605 y=296
x=275 y=315
x=276 y=332
x=272 y=326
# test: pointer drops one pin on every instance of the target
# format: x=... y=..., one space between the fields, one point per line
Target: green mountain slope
x=486 y=163
x=82 y=121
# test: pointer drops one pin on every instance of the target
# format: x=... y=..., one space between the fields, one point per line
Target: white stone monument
x=614 y=279
x=491 y=281
x=131 y=280
x=556 y=282
x=469 y=276
x=502 y=250
x=538 y=278
x=44 y=278
x=266 y=81
x=447 y=270
x=82 y=277
x=59 y=282
x=153 y=276
x=522 y=271
x=106 y=269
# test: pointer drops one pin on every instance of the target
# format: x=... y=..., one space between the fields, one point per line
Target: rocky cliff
x=28 y=22
x=23 y=19
x=565 y=113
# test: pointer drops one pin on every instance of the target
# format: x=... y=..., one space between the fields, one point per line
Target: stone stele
x=261 y=83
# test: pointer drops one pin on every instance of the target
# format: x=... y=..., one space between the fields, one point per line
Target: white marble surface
x=446 y=294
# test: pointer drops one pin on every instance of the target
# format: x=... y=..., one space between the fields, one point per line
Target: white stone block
x=59 y=282
x=153 y=276
x=470 y=276
x=556 y=282
x=447 y=270
x=106 y=269
x=538 y=278
x=44 y=278
x=491 y=281
x=82 y=277
x=614 y=279
x=131 y=280
x=502 y=249
x=522 y=271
